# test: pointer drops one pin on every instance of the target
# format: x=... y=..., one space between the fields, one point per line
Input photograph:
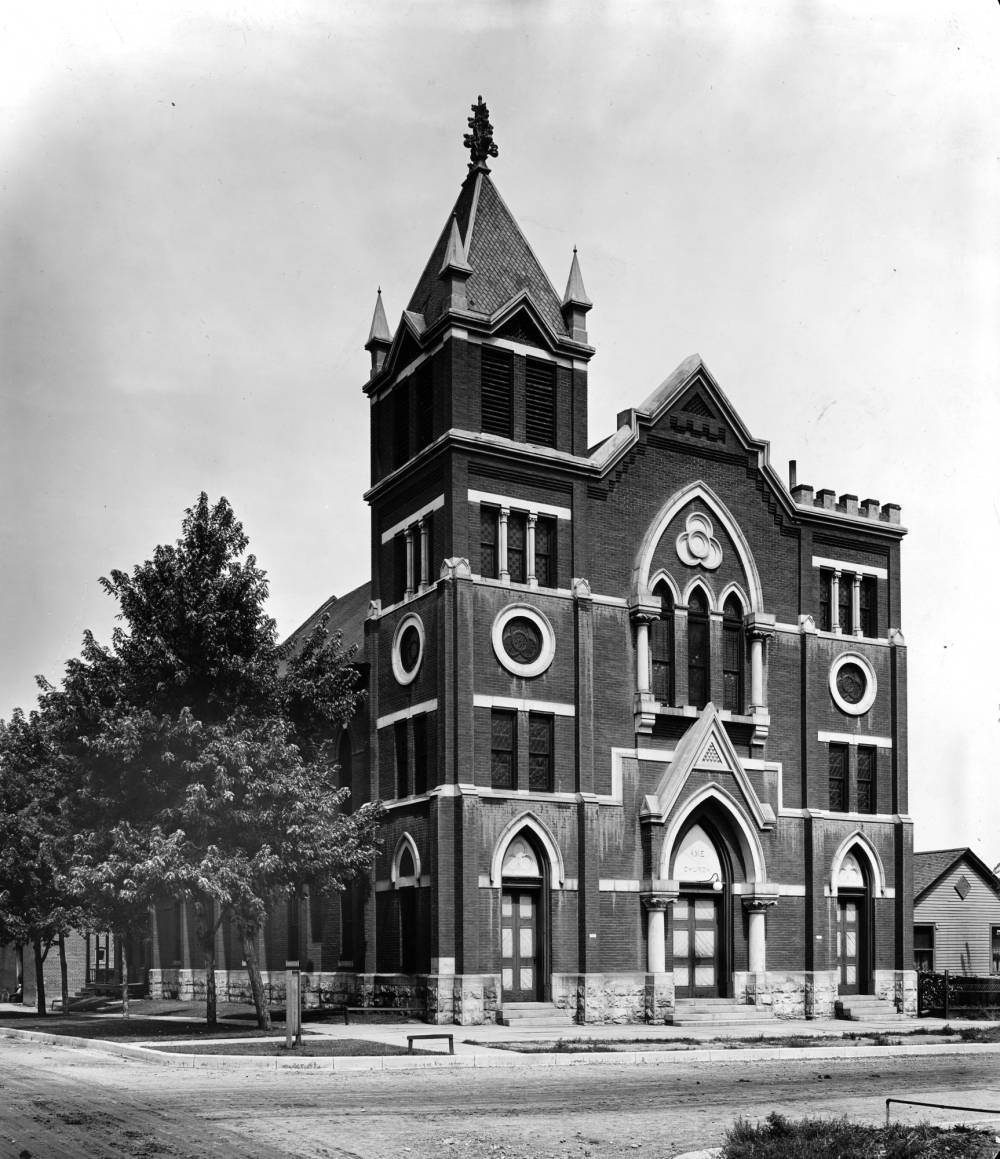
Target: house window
x=845 y=603
x=838 y=778
x=540 y=764
x=424 y=417
x=732 y=655
x=401 y=424
x=923 y=948
x=545 y=552
x=661 y=648
x=402 y=759
x=503 y=749
x=488 y=554
x=540 y=402
x=825 y=587
x=420 y=754
x=867 y=766
x=995 y=949
x=698 y=649
x=868 y=600
x=497 y=411
x=517 y=543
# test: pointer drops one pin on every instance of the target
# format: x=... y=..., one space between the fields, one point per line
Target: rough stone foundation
x=789 y=994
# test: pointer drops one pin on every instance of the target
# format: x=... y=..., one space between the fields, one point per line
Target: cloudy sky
x=198 y=201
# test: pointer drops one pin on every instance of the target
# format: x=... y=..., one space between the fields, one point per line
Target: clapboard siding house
x=956 y=913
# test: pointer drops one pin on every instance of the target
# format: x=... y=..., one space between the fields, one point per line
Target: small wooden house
x=956 y=913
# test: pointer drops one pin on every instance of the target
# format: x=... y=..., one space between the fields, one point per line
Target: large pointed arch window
x=661 y=644
x=733 y=648
x=698 y=649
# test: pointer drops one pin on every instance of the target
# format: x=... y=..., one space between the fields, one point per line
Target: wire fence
x=947 y=994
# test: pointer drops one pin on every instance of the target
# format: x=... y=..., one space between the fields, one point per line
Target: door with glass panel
x=696 y=947
x=519 y=951
x=851 y=944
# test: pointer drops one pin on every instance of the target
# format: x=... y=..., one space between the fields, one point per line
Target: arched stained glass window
x=733 y=651
x=698 y=649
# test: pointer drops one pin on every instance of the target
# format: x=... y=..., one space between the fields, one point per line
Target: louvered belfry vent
x=696 y=405
x=540 y=402
x=497 y=412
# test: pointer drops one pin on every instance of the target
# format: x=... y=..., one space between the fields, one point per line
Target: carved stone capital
x=758 y=905
x=581 y=588
x=760 y=625
x=657 y=901
x=456 y=568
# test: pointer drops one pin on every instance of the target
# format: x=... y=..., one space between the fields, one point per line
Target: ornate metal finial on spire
x=480 y=141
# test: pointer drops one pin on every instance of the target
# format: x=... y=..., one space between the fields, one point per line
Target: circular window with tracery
x=523 y=640
x=852 y=683
x=407 y=648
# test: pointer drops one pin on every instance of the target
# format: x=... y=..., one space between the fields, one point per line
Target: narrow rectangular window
x=923 y=948
x=540 y=402
x=545 y=552
x=869 y=606
x=867 y=765
x=540 y=763
x=503 y=749
x=661 y=647
x=845 y=603
x=424 y=418
x=402 y=759
x=838 y=778
x=420 y=754
x=496 y=392
x=488 y=554
x=698 y=651
x=517 y=556
x=825 y=585
x=401 y=424
x=398 y=567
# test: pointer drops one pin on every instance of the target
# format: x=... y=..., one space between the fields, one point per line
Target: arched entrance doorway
x=855 y=943
x=704 y=865
x=523 y=921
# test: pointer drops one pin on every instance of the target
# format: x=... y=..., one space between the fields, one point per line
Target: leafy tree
x=36 y=907
x=206 y=771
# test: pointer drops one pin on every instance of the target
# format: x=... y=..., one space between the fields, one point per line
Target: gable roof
x=931 y=866
x=347 y=615
x=503 y=264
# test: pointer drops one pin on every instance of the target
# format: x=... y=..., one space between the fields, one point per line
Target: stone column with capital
x=425 y=570
x=656 y=933
x=835 y=601
x=502 y=569
x=642 y=616
x=760 y=626
x=757 y=907
x=856 y=603
x=530 y=550
x=410 y=585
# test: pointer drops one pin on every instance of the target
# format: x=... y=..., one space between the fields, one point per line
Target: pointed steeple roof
x=575 y=294
x=379 y=331
x=502 y=262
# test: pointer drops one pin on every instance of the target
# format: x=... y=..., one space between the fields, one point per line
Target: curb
x=498 y=1059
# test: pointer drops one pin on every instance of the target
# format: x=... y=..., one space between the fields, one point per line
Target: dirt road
x=57 y=1103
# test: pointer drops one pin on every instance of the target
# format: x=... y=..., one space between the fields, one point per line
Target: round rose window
x=407 y=648
x=522 y=640
x=853 y=684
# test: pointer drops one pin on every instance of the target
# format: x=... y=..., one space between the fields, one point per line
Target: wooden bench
x=411 y=1038
x=349 y=1010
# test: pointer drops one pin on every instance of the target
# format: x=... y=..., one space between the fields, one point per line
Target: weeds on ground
x=781 y=1138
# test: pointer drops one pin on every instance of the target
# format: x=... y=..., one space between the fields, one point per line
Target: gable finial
x=480 y=141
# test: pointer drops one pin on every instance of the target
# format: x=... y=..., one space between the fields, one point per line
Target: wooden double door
x=697 y=939
x=521 y=944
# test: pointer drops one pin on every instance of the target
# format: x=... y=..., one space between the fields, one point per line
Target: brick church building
x=636 y=710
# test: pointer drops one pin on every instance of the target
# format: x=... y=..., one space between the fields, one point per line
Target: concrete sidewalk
x=482 y=1046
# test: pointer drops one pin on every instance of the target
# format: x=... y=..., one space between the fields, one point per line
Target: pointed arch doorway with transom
x=701 y=923
x=523 y=921
x=855 y=943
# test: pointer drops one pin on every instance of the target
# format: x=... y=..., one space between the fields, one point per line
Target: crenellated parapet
x=826 y=499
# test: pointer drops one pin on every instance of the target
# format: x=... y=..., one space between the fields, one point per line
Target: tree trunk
x=36 y=945
x=211 y=999
x=256 y=982
x=64 y=974
x=123 y=945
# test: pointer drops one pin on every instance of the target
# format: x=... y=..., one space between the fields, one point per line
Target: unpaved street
x=59 y=1103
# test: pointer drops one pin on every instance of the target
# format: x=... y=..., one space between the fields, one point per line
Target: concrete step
x=867 y=1008
x=719 y=1012
x=529 y=1014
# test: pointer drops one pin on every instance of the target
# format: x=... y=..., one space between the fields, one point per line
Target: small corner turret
x=379 y=336
x=575 y=303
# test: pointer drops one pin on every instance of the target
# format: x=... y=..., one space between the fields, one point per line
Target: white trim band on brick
x=403 y=524
x=618 y=885
x=853 y=568
x=406 y=713
x=879 y=742
x=519 y=704
x=529 y=505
